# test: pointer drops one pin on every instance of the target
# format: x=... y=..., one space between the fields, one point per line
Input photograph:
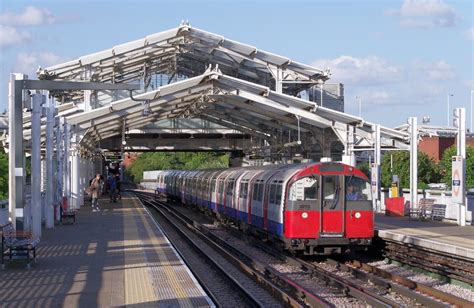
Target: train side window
x=255 y=191
x=243 y=190
x=272 y=194
x=261 y=188
x=278 y=194
x=214 y=185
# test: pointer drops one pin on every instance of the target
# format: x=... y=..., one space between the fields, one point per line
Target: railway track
x=367 y=283
x=447 y=266
x=257 y=289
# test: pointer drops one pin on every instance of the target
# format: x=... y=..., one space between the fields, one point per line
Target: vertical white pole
x=412 y=121
x=67 y=163
x=35 y=214
x=376 y=168
x=74 y=179
x=59 y=176
x=49 y=163
x=16 y=157
x=461 y=151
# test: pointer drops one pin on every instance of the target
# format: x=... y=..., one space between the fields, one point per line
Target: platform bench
x=17 y=244
x=69 y=215
x=424 y=209
x=438 y=211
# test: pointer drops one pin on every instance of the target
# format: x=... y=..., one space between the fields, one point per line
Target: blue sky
x=401 y=57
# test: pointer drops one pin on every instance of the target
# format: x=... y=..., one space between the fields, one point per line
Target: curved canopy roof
x=209 y=77
x=185 y=51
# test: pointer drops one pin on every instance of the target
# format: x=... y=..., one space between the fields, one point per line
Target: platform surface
x=118 y=258
x=435 y=235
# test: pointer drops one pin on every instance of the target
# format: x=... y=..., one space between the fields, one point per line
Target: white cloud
x=470 y=34
x=11 y=36
x=379 y=82
x=439 y=70
x=425 y=14
x=28 y=63
x=358 y=71
x=31 y=16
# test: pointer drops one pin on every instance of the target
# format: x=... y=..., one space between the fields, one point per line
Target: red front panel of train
x=296 y=226
x=361 y=227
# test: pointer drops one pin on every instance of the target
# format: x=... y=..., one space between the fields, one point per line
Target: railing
x=440 y=197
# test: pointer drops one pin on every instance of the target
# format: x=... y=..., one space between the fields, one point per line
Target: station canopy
x=186 y=72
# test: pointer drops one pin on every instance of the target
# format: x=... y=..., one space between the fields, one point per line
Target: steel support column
x=349 y=157
x=376 y=168
x=412 y=122
x=59 y=173
x=34 y=212
x=75 y=177
x=49 y=164
x=15 y=155
x=67 y=164
x=460 y=116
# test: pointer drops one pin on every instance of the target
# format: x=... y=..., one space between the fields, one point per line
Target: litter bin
x=395 y=206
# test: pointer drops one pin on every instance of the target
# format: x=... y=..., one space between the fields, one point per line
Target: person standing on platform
x=112 y=188
x=119 y=184
x=95 y=190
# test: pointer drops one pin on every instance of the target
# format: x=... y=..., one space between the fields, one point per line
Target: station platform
x=116 y=258
x=438 y=236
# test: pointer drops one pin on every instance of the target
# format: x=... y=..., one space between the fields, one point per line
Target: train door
x=332 y=206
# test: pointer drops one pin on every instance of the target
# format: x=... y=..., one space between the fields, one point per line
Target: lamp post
x=449 y=95
x=360 y=105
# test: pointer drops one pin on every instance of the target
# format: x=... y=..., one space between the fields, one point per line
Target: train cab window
x=357 y=189
x=303 y=194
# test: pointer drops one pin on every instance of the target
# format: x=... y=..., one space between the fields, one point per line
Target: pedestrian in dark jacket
x=112 y=188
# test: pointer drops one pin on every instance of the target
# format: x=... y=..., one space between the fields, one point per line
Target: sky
x=401 y=58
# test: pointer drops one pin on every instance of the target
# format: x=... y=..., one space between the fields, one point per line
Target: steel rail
x=356 y=291
x=261 y=272
x=253 y=299
x=435 y=262
x=410 y=284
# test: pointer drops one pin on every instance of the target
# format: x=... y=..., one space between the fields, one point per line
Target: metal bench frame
x=424 y=209
x=67 y=214
x=20 y=242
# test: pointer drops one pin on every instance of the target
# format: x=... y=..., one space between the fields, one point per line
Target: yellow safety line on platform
x=168 y=266
x=138 y=285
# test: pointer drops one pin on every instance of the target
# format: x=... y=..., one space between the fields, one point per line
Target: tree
x=446 y=165
x=428 y=171
x=3 y=175
x=176 y=161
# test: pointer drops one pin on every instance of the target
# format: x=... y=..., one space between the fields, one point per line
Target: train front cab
x=329 y=211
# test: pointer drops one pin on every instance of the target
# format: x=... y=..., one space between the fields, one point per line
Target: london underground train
x=312 y=209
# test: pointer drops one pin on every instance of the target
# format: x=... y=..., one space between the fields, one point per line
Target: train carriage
x=319 y=208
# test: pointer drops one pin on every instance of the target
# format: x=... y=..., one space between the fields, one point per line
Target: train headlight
x=357 y=215
x=304 y=215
